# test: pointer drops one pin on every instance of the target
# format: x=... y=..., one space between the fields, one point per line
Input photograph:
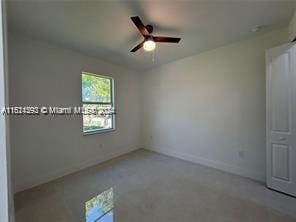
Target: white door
x=281 y=118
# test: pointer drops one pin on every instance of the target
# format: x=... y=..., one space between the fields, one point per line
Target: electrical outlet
x=101 y=145
x=151 y=137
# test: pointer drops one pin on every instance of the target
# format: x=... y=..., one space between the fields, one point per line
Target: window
x=98 y=103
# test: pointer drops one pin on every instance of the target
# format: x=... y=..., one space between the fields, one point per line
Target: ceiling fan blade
x=137 y=21
x=138 y=46
x=166 y=39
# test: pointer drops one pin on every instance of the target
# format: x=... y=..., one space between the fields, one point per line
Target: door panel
x=280 y=162
x=281 y=118
x=280 y=106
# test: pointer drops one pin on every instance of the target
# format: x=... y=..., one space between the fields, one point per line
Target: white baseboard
x=72 y=169
x=68 y=170
x=211 y=163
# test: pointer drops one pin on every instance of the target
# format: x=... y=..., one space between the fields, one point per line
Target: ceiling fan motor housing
x=149 y=28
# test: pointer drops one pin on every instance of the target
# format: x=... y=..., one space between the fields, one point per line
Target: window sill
x=98 y=131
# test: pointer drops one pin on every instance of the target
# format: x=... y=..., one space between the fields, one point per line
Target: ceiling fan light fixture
x=149 y=45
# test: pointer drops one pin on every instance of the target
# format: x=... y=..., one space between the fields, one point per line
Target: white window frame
x=112 y=103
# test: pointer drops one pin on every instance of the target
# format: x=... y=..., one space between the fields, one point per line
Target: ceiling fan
x=149 y=40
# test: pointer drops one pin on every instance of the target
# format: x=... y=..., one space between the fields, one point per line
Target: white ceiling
x=104 y=29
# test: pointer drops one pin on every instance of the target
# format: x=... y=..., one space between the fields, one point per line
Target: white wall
x=46 y=147
x=210 y=108
x=4 y=205
x=292 y=28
